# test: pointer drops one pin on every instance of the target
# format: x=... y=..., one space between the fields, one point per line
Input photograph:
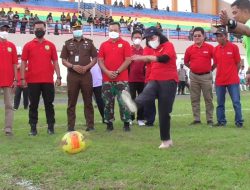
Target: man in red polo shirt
x=8 y=76
x=198 y=59
x=227 y=60
x=41 y=59
x=114 y=58
x=136 y=74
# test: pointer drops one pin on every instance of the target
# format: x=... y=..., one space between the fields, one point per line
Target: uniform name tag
x=77 y=58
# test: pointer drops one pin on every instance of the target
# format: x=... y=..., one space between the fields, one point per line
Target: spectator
x=62 y=17
x=191 y=33
x=182 y=73
x=26 y=11
x=56 y=29
x=36 y=18
x=111 y=19
x=242 y=76
x=68 y=18
x=115 y=3
x=74 y=18
x=10 y=12
x=24 y=23
x=31 y=23
x=96 y=22
x=227 y=61
x=90 y=20
x=2 y=13
x=102 y=21
x=121 y=4
x=178 y=29
x=49 y=18
x=122 y=21
x=159 y=27
x=167 y=9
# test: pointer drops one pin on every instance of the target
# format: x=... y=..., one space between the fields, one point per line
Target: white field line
x=26 y=184
x=202 y=112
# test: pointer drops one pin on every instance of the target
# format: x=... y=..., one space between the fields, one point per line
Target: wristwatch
x=60 y=78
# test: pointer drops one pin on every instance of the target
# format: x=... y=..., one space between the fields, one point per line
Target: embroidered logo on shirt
x=47 y=47
x=205 y=51
x=9 y=49
x=229 y=53
x=119 y=45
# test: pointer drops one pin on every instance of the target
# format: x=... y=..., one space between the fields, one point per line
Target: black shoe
x=239 y=125
x=90 y=129
x=33 y=131
x=51 y=132
x=210 y=123
x=8 y=133
x=70 y=129
x=195 y=123
x=126 y=126
x=110 y=126
x=149 y=124
x=219 y=125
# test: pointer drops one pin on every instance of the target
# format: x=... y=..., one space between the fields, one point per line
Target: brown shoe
x=8 y=133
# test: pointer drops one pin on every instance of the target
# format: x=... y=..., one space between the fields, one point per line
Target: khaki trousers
x=9 y=112
x=202 y=83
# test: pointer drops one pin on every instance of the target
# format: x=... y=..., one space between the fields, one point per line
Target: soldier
x=79 y=55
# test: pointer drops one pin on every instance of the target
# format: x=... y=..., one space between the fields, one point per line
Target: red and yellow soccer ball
x=73 y=142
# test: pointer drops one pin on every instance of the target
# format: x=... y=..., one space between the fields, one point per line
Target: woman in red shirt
x=162 y=84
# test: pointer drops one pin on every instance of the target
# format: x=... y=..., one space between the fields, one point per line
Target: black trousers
x=181 y=87
x=48 y=93
x=135 y=89
x=98 y=98
x=17 y=98
x=165 y=92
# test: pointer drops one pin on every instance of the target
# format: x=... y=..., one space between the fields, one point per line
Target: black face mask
x=39 y=33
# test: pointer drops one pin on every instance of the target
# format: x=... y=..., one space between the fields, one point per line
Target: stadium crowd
x=136 y=76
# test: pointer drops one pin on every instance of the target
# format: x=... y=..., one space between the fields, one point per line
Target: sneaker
x=239 y=125
x=110 y=126
x=166 y=144
x=126 y=97
x=141 y=123
x=33 y=132
x=219 y=125
x=195 y=122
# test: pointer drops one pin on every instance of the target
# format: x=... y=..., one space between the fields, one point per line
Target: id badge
x=77 y=58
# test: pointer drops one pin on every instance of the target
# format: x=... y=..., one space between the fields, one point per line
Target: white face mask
x=4 y=35
x=77 y=33
x=137 y=41
x=154 y=44
x=114 y=35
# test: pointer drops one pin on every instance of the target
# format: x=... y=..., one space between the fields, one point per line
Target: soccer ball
x=73 y=142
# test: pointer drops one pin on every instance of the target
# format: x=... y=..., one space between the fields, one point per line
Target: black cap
x=221 y=30
x=151 y=31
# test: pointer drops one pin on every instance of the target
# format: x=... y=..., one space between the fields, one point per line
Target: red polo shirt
x=136 y=68
x=39 y=57
x=8 y=57
x=199 y=58
x=114 y=54
x=163 y=71
x=227 y=59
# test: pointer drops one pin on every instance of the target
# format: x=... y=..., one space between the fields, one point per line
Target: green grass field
x=201 y=158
